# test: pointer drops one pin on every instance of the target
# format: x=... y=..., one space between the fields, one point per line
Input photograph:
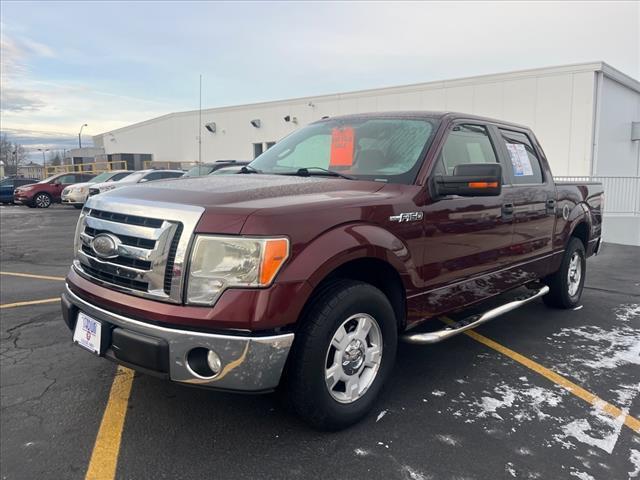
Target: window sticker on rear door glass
x=519 y=160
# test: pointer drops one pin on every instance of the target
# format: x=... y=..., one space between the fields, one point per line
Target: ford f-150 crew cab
x=305 y=270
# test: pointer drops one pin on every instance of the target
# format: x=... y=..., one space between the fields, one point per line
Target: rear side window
x=466 y=144
x=119 y=176
x=523 y=159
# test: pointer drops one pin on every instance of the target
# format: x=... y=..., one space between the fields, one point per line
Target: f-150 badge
x=407 y=217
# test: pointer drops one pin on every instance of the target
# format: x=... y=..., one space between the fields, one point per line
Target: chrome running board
x=472 y=321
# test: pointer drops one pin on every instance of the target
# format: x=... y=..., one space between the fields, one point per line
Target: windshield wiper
x=249 y=169
x=304 y=172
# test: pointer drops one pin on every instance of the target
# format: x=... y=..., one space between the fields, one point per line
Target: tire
x=42 y=200
x=336 y=310
x=566 y=285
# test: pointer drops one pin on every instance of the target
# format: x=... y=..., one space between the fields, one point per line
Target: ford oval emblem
x=105 y=245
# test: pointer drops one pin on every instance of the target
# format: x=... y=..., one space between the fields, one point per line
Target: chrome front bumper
x=74 y=198
x=249 y=363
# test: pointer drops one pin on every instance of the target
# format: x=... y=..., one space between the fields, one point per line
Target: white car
x=136 y=177
x=78 y=193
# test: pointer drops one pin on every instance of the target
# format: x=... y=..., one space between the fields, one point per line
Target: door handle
x=551 y=206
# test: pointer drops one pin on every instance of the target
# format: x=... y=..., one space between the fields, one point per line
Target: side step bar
x=473 y=321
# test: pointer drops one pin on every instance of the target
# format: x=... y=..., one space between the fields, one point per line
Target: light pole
x=80 y=135
x=44 y=160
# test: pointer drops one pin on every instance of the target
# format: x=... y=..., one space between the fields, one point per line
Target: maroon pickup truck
x=307 y=269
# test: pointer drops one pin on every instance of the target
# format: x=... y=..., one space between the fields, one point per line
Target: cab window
x=466 y=143
x=524 y=161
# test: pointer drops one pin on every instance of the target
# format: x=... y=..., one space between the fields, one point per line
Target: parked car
x=43 y=193
x=78 y=193
x=9 y=184
x=209 y=168
x=346 y=236
x=228 y=170
x=140 y=176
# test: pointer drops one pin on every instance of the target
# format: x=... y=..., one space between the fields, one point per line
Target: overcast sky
x=110 y=64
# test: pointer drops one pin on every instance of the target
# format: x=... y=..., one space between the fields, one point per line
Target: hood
x=76 y=185
x=250 y=191
x=28 y=185
x=229 y=199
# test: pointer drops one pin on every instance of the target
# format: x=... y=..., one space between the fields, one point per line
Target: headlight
x=218 y=263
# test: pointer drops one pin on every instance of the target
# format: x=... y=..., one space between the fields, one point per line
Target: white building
x=583 y=115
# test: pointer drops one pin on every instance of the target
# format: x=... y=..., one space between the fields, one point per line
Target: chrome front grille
x=152 y=244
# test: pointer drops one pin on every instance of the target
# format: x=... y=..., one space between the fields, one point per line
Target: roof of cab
x=417 y=114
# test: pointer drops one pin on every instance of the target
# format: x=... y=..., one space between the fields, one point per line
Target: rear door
x=532 y=197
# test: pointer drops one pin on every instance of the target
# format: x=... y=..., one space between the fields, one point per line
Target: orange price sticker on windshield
x=342 y=146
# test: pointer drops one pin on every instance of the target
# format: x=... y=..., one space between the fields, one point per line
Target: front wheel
x=42 y=200
x=566 y=285
x=344 y=352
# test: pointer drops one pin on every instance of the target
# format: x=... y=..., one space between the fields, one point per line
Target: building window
x=268 y=145
x=257 y=150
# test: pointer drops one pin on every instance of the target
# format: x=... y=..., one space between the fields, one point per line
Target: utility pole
x=44 y=161
x=200 y=125
x=80 y=135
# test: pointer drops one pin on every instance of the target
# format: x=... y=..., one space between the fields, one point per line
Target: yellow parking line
x=28 y=275
x=31 y=302
x=104 y=458
x=630 y=421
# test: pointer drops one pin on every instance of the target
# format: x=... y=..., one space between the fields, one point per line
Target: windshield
x=134 y=177
x=382 y=149
x=103 y=177
x=47 y=180
x=199 y=170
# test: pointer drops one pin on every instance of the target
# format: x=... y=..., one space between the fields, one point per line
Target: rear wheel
x=42 y=200
x=566 y=285
x=343 y=353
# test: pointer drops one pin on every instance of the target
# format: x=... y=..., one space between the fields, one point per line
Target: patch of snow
x=528 y=402
x=361 y=452
x=510 y=469
x=634 y=458
x=380 y=415
x=461 y=380
x=524 y=451
x=409 y=473
x=448 y=439
x=579 y=307
x=438 y=393
x=581 y=475
x=603 y=434
x=599 y=349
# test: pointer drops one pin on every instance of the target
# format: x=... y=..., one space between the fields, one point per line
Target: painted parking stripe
x=628 y=420
x=104 y=458
x=30 y=302
x=29 y=275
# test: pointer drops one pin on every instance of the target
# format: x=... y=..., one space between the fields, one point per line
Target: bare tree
x=12 y=155
x=55 y=158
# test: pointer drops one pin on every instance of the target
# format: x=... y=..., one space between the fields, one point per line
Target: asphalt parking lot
x=475 y=407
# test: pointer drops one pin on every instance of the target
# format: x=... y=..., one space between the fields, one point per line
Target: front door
x=466 y=238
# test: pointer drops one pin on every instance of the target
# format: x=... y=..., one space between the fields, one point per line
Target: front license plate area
x=88 y=333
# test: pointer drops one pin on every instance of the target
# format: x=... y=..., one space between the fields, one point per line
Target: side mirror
x=471 y=180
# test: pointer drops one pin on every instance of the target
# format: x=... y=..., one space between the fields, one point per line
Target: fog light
x=214 y=362
x=203 y=362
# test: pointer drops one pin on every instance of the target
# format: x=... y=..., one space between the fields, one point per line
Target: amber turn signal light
x=483 y=184
x=275 y=253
